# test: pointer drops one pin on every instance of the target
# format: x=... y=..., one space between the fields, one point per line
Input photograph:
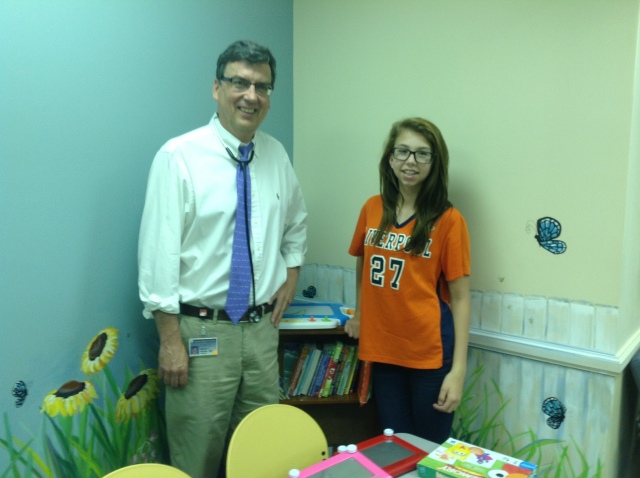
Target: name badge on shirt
x=203 y=346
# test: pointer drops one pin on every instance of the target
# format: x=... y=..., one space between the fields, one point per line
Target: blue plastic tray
x=315 y=310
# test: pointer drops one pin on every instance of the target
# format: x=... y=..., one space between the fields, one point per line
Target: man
x=197 y=184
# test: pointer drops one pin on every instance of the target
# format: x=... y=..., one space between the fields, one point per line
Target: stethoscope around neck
x=243 y=164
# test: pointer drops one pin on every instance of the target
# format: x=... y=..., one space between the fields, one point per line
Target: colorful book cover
x=353 y=374
x=331 y=369
x=343 y=388
x=327 y=349
x=290 y=354
x=309 y=371
x=319 y=374
x=339 y=371
x=302 y=358
x=455 y=458
x=364 y=382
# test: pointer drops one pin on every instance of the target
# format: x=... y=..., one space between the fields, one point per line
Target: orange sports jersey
x=405 y=315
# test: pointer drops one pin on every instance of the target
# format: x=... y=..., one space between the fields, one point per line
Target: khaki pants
x=222 y=390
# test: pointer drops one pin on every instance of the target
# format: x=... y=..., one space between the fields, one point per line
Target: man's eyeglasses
x=240 y=85
x=422 y=157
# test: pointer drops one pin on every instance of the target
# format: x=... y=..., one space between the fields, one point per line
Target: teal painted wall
x=89 y=90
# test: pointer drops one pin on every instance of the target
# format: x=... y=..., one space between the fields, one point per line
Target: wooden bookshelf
x=315 y=332
x=330 y=400
x=341 y=417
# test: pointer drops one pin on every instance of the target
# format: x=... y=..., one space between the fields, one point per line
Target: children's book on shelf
x=291 y=352
x=309 y=372
x=353 y=375
x=340 y=369
x=327 y=351
x=297 y=373
x=322 y=370
x=331 y=369
x=364 y=382
x=343 y=388
x=319 y=374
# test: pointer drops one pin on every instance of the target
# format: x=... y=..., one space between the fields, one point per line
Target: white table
x=418 y=442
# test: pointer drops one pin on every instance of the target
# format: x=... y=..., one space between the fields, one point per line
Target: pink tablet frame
x=376 y=471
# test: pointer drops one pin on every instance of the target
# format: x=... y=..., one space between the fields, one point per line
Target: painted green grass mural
x=92 y=426
x=478 y=421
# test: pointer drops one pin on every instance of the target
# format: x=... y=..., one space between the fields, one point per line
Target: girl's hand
x=352 y=327
x=450 y=392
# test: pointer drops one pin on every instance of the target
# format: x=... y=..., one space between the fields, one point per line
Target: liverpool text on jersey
x=393 y=242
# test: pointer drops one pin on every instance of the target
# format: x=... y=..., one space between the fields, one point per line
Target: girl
x=412 y=285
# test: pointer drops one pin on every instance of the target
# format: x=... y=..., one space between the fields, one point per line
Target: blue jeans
x=404 y=398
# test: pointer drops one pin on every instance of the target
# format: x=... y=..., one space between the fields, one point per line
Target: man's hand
x=173 y=360
x=285 y=295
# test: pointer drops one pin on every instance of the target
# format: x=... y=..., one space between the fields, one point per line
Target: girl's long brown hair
x=432 y=198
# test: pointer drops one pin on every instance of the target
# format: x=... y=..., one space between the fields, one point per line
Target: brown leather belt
x=253 y=315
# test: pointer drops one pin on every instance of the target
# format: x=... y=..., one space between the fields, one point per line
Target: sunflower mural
x=139 y=396
x=100 y=351
x=93 y=425
x=69 y=399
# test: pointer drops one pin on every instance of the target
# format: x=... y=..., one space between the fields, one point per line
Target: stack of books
x=318 y=370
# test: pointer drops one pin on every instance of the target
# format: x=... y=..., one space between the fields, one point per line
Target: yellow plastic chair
x=148 y=470
x=272 y=440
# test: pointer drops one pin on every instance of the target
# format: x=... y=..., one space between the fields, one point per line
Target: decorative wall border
x=575 y=334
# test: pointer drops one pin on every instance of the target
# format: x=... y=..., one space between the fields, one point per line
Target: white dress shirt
x=186 y=234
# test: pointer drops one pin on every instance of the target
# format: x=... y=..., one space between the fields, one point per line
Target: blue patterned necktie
x=241 y=273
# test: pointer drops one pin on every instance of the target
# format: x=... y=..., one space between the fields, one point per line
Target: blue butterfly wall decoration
x=548 y=229
x=309 y=292
x=20 y=392
x=556 y=411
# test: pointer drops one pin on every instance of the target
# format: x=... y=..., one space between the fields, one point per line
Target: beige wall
x=535 y=101
x=630 y=284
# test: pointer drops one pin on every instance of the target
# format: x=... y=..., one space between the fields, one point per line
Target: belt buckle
x=254 y=316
